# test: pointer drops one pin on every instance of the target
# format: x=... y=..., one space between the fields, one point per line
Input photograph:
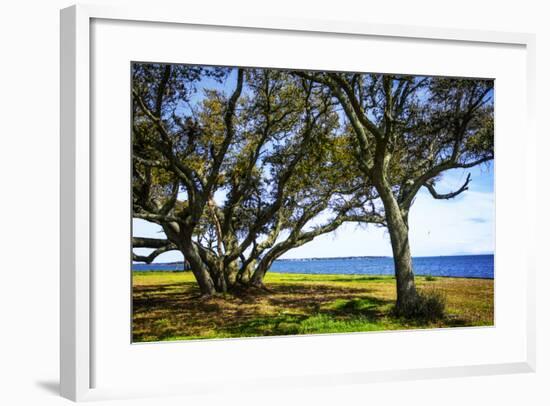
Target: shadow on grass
x=363 y=313
x=172 y=311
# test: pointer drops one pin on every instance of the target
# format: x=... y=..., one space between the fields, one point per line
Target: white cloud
x=464 y=225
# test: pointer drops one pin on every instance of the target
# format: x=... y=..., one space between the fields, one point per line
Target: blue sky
x=463 y=225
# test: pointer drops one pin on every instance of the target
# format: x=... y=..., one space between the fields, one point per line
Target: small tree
x=236 y=181
x=409 y=130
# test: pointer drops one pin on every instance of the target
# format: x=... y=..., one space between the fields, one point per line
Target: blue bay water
x=465 y=266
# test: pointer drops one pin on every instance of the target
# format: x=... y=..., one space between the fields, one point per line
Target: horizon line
x=342 y=257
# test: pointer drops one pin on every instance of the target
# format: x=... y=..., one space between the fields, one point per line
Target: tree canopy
x=243 y=176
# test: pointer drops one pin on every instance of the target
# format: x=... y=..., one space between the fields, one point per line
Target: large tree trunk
x=218 y=275
x=200 y=271
x=231 y=270
x=265 y=264
x=398 y=228
x=247 y=269
x=257 y=278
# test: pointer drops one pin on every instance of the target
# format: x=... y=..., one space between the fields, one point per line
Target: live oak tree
x=408 y=131
x=237 y=178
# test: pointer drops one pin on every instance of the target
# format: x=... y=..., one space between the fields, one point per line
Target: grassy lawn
x=166 y=306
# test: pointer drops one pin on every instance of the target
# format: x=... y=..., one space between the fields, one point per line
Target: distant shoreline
x=378 y=257
x=358 y=275
x=336 y=258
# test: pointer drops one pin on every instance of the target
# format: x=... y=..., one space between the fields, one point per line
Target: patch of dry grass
x=167 y=306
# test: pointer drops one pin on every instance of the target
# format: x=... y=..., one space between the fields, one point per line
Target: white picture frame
x=77 y=216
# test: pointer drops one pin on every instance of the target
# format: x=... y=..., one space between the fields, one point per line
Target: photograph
x=276 y=202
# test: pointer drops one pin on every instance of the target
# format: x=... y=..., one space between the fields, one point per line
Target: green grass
x=166 y=306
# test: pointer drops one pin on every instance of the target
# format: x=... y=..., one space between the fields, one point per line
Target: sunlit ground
x=166 y=306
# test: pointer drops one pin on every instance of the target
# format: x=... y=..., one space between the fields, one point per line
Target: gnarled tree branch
x=450 y=195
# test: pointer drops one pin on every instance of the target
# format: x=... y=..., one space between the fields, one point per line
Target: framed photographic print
x=331 y=198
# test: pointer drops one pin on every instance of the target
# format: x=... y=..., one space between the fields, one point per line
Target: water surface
x=465 y=266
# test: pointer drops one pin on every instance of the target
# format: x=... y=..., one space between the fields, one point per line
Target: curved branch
x=149 y=258
x=436 y=195
x=156 y=163
x=161 y=245
x=142 y=242
x=296 y=240
x=154 y=217
x=479 y=161
x=408 y=197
